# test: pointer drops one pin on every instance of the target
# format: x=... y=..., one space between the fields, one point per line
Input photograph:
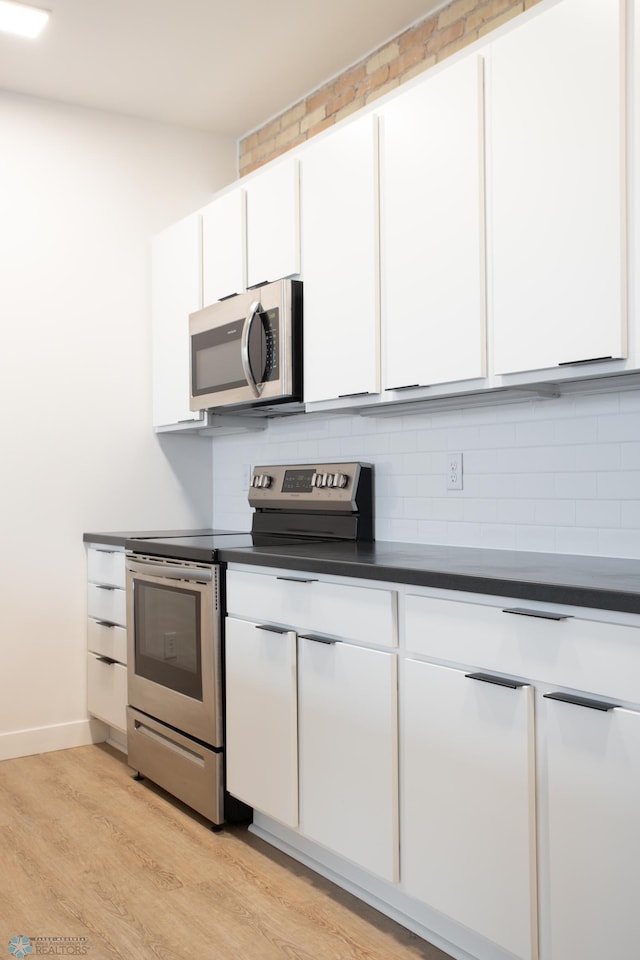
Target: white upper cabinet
x=339 y=198
x=555 y=188
x=273 y=223
x=176 y=292
x=223 y=246
x=431 y=220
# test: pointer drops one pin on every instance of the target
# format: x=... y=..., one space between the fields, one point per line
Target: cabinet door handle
x=577 y=363
x=359 y=393
x=105 y=623
x=108 y=660
x=316 y=638
x=269 y=629
x=296 y=580
x=408 y=386
x=602 y=705
x=102 y=550
x=542 y=614
x=103 y=586
x=499 y=681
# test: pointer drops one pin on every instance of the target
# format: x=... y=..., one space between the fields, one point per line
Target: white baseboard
x=59 y=736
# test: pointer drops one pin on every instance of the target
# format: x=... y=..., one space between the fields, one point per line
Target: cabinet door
x=431 y=230
x=556 y=193
x=176 y=292
x=593 y=797
x=223 y=246
x=340 y=263
x=348 y=753
x=273 y=223
x=107 y=691
x=468 y=815
x=261 y=714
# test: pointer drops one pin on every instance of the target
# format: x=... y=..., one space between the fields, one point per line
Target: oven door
x=173 y=641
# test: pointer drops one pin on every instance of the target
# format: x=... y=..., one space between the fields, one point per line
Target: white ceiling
x=220 y=65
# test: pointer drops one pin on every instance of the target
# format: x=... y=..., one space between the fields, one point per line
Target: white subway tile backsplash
x=599 y=456
x=576 y=486
x=630 y=455
x=622 y=426
x=599 y=513
x=555 y=512
x=624 y=485
x=559 y=475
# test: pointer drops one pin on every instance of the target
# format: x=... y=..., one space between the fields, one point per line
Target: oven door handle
x=254 y=310
x=169 y=572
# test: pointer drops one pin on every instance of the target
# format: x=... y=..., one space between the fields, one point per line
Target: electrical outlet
x=454 y=471
x=170 y=640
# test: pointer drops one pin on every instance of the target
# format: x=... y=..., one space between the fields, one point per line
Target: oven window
x=167 y=637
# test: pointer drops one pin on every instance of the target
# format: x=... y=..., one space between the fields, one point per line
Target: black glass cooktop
x=204 y=547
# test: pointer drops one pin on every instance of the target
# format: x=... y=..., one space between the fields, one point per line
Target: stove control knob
x=322 y=480
x=265 y=481
x=255 y=480
x=315 y=480
x=340 y=480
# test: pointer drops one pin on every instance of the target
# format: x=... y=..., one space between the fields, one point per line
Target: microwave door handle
x=255 y=308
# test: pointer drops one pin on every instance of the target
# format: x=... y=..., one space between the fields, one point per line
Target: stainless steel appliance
x=175 y=620
x=174 y=721
x=247 y=350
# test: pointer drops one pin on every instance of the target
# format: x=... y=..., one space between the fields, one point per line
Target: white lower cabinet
x=311 y=714
x=592 y=795
x=107 y=639
x=475 y=767
x=107 y=686
x=348 y=752
x=468 y=801
x=261 y=716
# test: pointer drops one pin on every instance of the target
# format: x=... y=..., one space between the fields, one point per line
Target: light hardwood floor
x=85 y=851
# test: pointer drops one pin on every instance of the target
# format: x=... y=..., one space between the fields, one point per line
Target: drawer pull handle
x=602 y=705
x=108 y=660
x=541 y=614
x=264 y=626
x=499 y=681
x=101 y=550
x=317 y=639
x=103 y=586
x=296 y=580
x=105 y=623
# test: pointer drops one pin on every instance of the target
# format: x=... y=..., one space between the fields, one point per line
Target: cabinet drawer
x=107 y=603
x=107 y=691
x=300 y=601
x=107 y=640
x=106 y=566
x=571 y=652
x=186 y=768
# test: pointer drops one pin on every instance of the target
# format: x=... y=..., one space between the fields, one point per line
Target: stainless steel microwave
x=247 y=350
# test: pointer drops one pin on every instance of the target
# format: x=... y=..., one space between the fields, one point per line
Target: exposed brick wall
x=411 y=52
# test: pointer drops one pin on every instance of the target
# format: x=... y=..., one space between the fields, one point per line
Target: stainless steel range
x=175 y=617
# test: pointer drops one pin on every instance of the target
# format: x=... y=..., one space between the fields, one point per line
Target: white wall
x=81 y=193
x=559 y=476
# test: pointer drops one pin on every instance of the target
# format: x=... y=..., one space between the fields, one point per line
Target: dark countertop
x=606 y=583
x=117 y=538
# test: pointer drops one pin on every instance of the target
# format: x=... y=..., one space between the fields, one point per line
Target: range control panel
x=307 y=486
